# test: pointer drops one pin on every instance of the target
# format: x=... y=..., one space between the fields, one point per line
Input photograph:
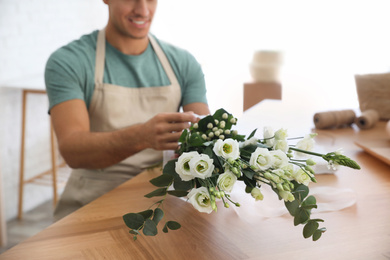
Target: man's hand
x=163 y=131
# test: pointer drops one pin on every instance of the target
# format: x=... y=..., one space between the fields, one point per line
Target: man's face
x=131 y=18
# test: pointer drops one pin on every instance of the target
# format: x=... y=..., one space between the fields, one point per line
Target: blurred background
x=324 y=44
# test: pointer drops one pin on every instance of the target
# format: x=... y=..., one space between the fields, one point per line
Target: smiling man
x=114 y=97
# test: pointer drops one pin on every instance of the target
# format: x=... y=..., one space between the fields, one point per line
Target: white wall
x=324 y=42
x=30 y=30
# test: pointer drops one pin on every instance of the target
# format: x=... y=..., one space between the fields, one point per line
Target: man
x=114 y=97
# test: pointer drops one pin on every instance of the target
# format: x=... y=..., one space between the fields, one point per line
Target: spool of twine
x=367 y=119
x=388 y=128
x=334 y=119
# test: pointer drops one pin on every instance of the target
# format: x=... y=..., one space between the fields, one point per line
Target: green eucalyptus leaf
x=133 y=220
x=173 y=225
x=150 y=228
x=169 y=168
x=300 y=192
x=178 y=193
x=158 y=215
x=134 y=232
x=309 y=203
x=156 y=193
x=317 y=234
x=310 y=228
x=165 y=228
x=179 y=184
x=146 y=213
x=162 y=180
x=301 y=216
x=292 y=206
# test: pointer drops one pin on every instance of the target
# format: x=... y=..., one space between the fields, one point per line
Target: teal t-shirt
x=70 y=71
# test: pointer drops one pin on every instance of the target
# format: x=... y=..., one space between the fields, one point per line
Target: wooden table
x=361 y=231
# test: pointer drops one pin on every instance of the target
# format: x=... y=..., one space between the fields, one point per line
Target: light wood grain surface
x=361 y=231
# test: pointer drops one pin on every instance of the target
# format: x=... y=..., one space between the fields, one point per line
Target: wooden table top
x=361 y=231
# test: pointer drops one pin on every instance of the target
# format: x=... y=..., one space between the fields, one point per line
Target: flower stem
x=305 y=151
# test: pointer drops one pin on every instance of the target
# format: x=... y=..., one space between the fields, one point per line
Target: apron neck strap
x=101 y=52
x=100 y=57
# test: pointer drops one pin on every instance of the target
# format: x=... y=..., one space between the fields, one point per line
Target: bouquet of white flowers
x=212 y=158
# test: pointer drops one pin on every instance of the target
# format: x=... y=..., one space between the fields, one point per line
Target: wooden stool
x=38 y=179
x=3 y=223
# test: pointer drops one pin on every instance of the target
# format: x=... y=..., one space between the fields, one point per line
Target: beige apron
x=113 y=107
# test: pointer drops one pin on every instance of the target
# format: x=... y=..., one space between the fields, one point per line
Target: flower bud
x=286 y=186
x=216 y=121
x=211 y=134
x=279 y=186
x=256 y=194
x=231 y=160
x=226 y=205
x=310 y=162
x=268 y=175
x=222 y=124
x=308 y=168
x=209 y=125
x=196 y=126
x=233 y=120
x=204 y=136
x=216 y=133
x=222 y=137
x=225 y=116
x=215 y=129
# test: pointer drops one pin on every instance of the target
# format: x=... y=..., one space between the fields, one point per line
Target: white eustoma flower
x=281 y=134
x=281 y=145
x=307 y=144
x=201 y=166
x=301 y=177
x=182 y=166
x=288 y=171
x=200 y=199
x=228 y=148
x=268 y=134
x=252 y=140
x=261 y=159
x=226 y=181
x=280 y=159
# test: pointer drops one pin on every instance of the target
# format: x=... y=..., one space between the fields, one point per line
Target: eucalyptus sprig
x=148 y=220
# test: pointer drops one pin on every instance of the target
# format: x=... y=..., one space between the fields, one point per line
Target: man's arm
x=82 y=148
